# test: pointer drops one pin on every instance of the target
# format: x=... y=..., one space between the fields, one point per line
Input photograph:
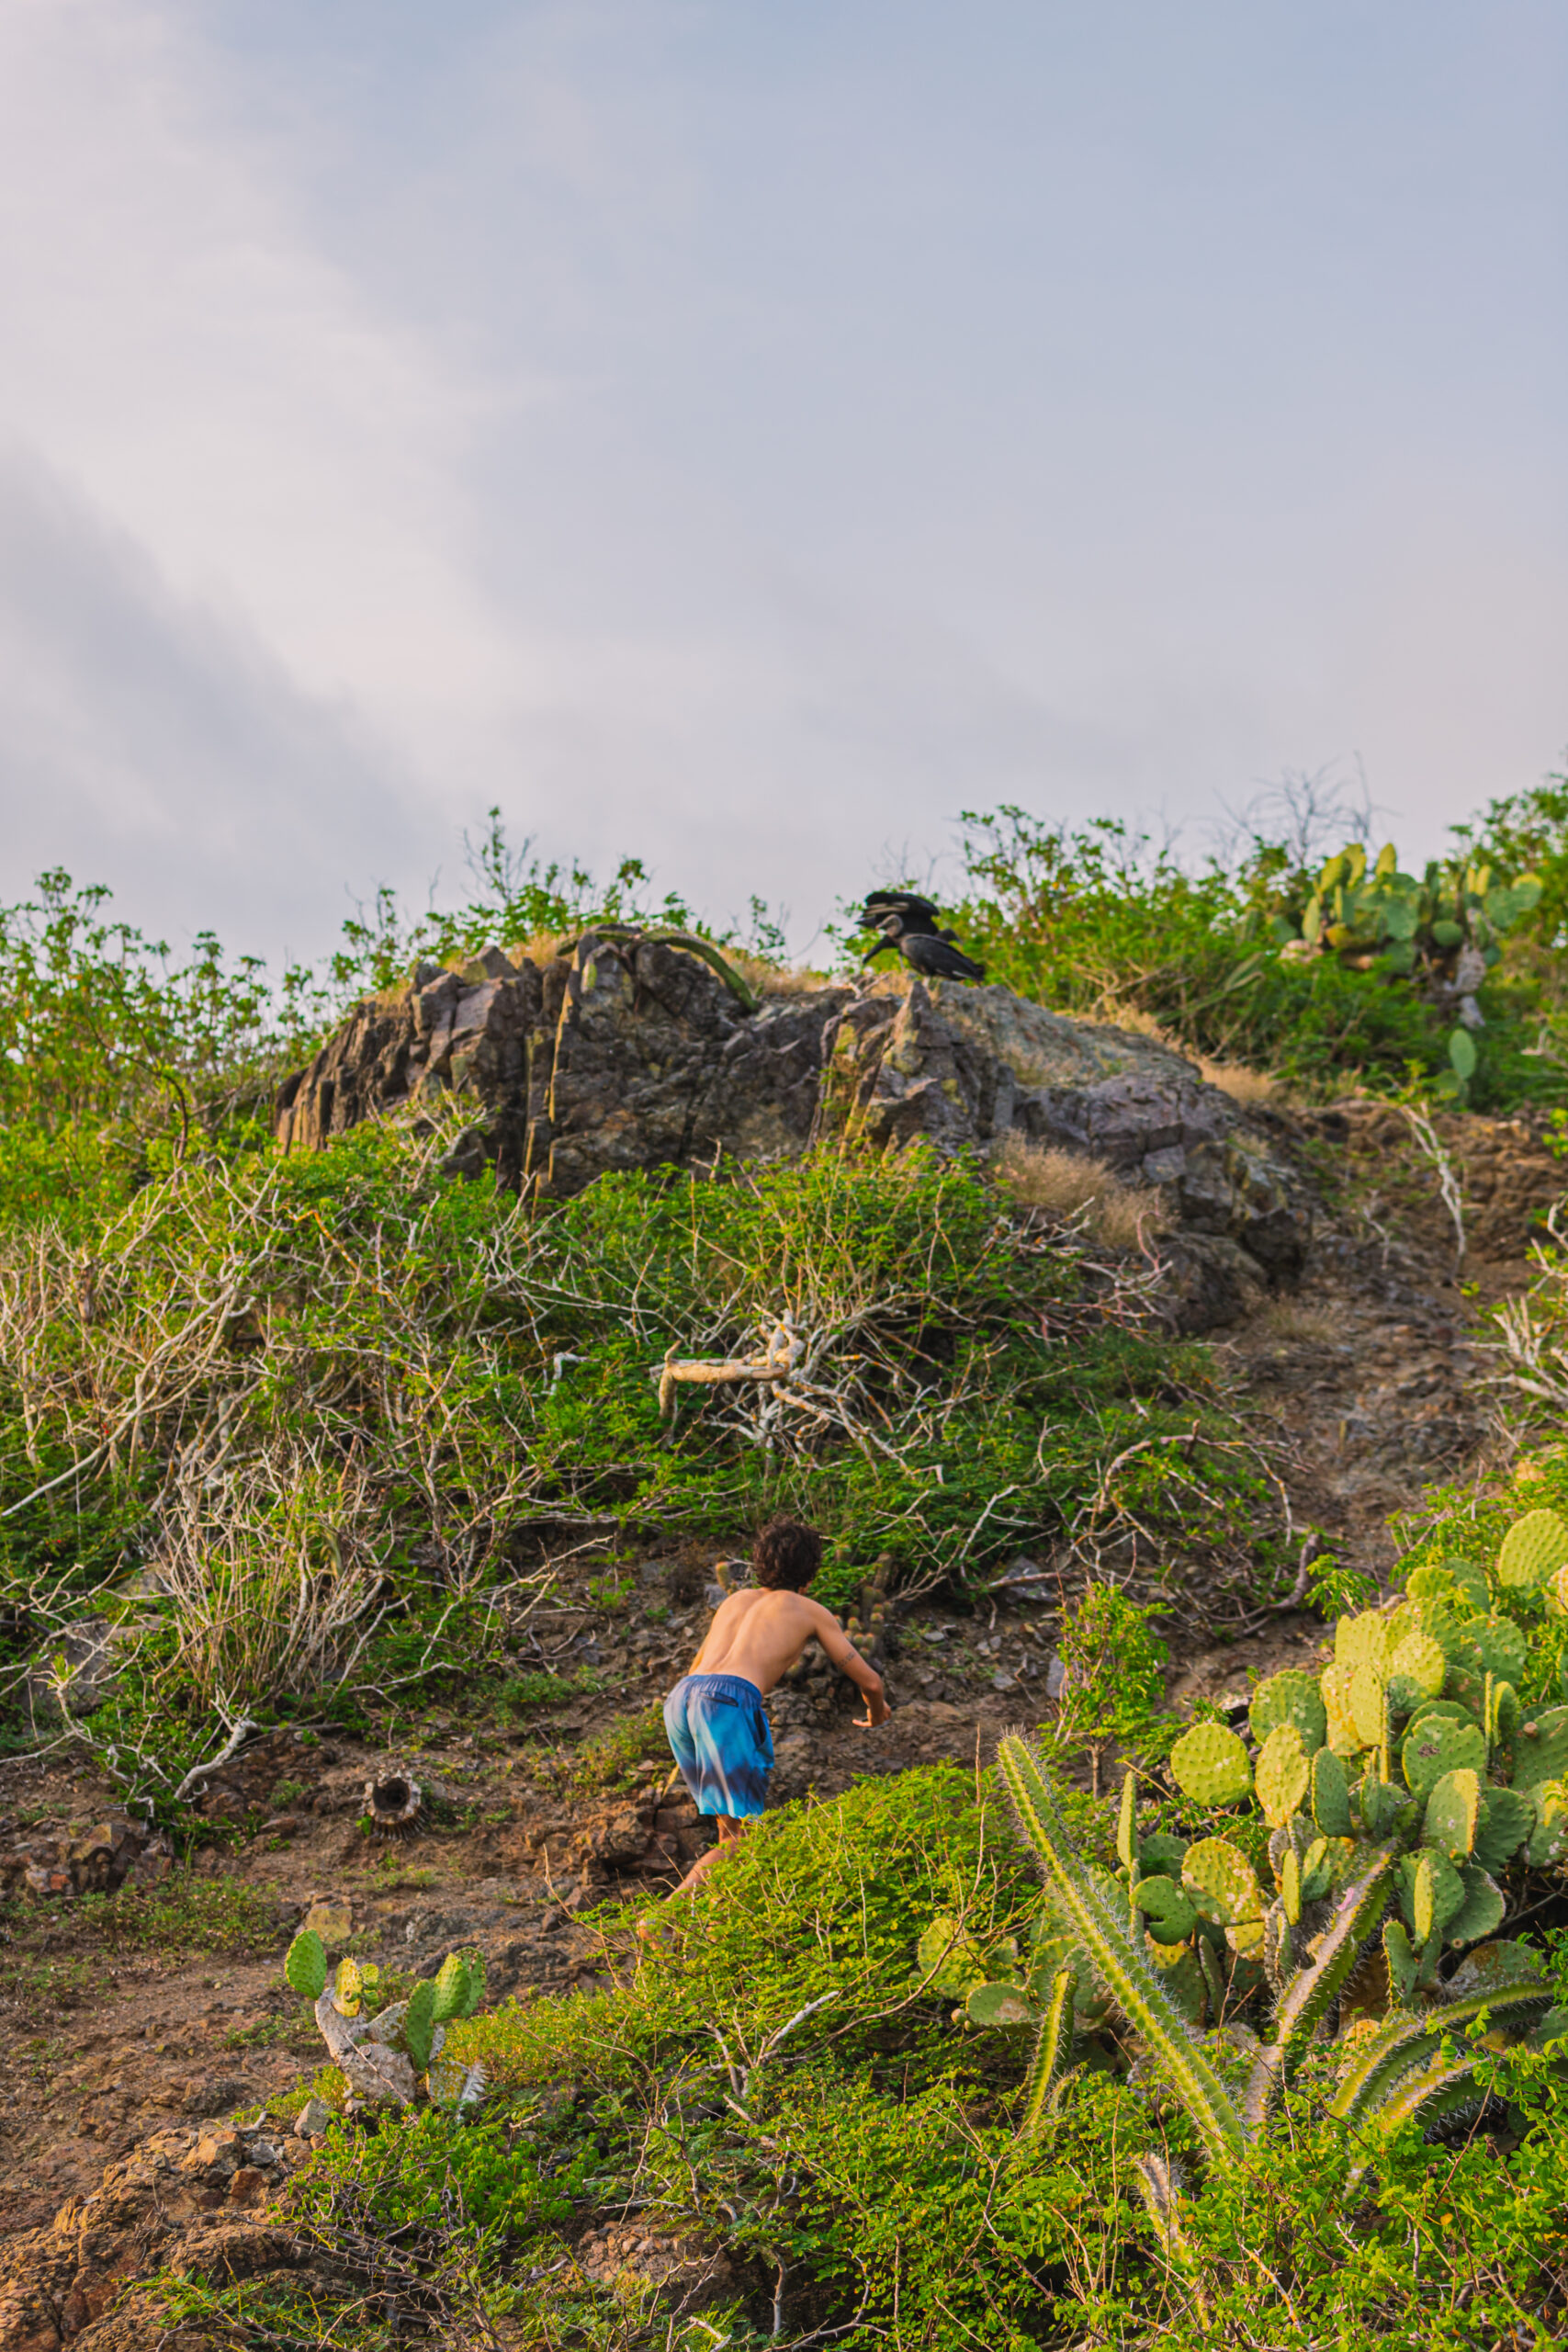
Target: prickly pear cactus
x=305 y=1965
x=1209 y=1765
x=1222 y=1886
x=1283 y=1774
x=1438 y=1746
x=1291 y=1697
x=1532 y=1552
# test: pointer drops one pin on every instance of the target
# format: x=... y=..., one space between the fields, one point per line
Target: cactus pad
x=1404 y=1965
x=1482 y=1911
x=1492 y=1645
x=1180 y=1977
x=1492 y=1968
x=1209 y=1764
x=1549 y=1838
x=458 y=1987
x=1507 y=1817
x=1330 y=1794
x=1431 y=1891
x=1362 y=1640
x=305 y=1966
x=1291 y=1697
x=947 y=1959
x=1171 y=1918
x=1533 y=1550
x=1368 y=1705
x=999 y=2004
x=419 y=2024
x=1540 y=1748
x=1334 y=1685
x=1453 y=1815
x=1161 y=1855
x=1219 y=1884
x=1438 y=1746
x=348 y=1991
x=1284 y=1774
x=1419 y=1658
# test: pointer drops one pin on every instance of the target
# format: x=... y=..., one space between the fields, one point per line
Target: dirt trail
x=1369 y=1380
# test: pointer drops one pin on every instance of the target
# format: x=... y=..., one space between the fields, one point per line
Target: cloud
x=148 y=738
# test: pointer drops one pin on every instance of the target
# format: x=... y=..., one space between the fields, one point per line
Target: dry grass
x=1287 y=1319
x=1253 y=1089
x=1119 y=1216
x=771 y=979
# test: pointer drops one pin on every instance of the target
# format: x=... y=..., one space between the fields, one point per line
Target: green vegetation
x=1272 y=2057
x=1320 y=972
x=369 y=1351
x=783 y=2077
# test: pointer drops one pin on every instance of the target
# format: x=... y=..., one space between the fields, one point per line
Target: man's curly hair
x=785 y=1555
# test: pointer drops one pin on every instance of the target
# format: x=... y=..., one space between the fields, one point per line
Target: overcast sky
x=747 y=434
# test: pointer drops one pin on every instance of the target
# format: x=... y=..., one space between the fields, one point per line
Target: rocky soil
x=1367 y=1381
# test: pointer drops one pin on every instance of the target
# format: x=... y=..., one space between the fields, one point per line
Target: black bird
x=924 y=949
x=918 y=914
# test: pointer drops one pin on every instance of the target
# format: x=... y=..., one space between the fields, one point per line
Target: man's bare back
x=758 y=1636
x=717 y=1725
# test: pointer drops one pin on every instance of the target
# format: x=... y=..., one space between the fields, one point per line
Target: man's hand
x=876 y=1708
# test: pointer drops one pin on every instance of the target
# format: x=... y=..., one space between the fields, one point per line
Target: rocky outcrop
x=629 y=1051
x=184 y=2201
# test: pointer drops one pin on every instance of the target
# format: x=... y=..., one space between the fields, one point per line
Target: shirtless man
x=718 y=1729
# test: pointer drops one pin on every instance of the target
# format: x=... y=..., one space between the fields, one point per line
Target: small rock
x=248 y=2185
x=312 y=2120
x=1004 y=1681
x=1056 y=1677
x=331 y=1918
x=262 y=2152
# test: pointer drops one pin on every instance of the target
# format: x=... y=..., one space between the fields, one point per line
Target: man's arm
x=848 y=1660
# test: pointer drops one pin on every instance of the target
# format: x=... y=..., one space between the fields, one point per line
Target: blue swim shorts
x=720 y=1737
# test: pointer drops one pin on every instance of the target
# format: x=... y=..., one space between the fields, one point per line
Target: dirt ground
x=1368 y=1383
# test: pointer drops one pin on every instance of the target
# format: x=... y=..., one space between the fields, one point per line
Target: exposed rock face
x=176 y=2202
x=629 y=1053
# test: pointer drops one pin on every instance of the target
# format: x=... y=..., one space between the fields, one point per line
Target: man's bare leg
x=730 y=1833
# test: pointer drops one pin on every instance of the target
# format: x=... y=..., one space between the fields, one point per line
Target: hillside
x=363 y=1437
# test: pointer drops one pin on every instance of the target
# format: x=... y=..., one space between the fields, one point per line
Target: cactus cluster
x=382 y=2057
x=1397 y=1788
x=1415 y=1734
x=1367 y=915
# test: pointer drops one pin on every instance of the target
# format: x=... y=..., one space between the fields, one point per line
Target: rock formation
x=629 y=1050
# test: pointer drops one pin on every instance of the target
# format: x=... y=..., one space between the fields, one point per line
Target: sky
x=746 y=436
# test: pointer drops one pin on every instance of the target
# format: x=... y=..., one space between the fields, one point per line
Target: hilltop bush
x=1099 y=920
